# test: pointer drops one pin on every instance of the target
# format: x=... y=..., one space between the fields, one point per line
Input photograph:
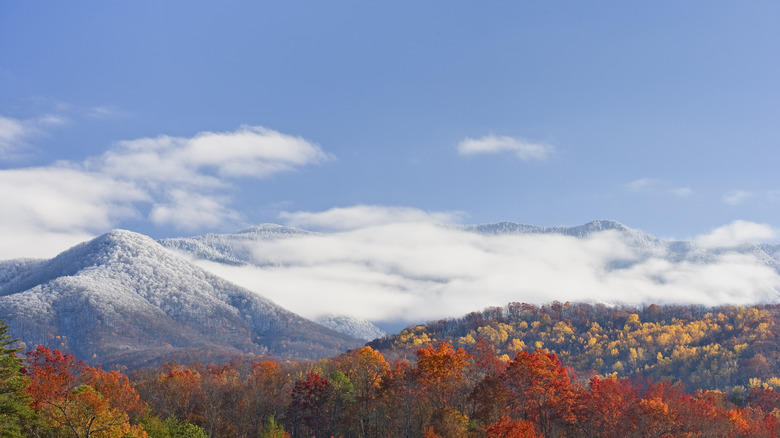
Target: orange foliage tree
x=441 y=371
x=85 y=401
x=508 y=428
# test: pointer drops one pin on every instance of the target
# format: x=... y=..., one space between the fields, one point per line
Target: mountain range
x=643 y=245
x=237 y=248
x=124 y=298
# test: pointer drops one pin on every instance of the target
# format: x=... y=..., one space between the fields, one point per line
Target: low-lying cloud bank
x=413 y=271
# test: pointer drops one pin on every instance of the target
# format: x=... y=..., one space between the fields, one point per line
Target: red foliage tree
x=309 y=399
x=508 y=428
x=540 y=391
x=608 y=409
x=86 y=401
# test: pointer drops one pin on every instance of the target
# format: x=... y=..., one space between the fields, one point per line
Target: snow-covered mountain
x=234 y=248
x=355 y=327
x=643 y=245
x=124 y=298
x=238 y=249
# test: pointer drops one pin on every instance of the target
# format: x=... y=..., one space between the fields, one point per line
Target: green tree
x=272 y=429
x=14 y=402
x=171 y=428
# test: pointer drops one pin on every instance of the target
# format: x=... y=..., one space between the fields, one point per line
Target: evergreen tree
x=14 y=401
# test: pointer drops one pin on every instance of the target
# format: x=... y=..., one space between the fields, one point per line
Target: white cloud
x=183 y=179
x=737 y=233
x=411 y=271
x=641 y=184
x=12 y=133
x=191 y=211
x=103 y=112
x=15 y=133
x=492 y=144
x=63 y=199
x=682 y=192
x=736 y=197
x=186 y=175
x=47 y=207
x=360 y=216
x=656 y=186
x=254 y=152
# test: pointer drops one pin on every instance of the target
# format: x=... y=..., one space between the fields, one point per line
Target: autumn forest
x=559 y=370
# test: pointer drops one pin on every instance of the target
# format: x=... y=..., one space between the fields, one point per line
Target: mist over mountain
x=643 y=245
x=123 y=298
x=400 y=273
x=231 y=249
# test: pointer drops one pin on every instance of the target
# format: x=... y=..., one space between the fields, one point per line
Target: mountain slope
x=704 y=347
x=124 y=298
x=355 y=327
x=237 y=249
x=231 y=249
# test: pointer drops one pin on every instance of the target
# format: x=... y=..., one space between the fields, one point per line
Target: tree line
x=429 y=381
x=729 y=348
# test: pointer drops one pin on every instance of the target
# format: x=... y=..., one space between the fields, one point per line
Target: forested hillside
x=563 y=370
x=704 y=348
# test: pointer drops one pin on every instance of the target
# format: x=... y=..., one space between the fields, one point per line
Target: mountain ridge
x=123 y=293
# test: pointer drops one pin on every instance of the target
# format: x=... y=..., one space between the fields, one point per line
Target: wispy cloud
x=642 y=184
x=360 y=216
x=682 y=192
x=491 y=144
x=103 y=112
x=657 y=186
x=183 y=180
x=736 y=197
x=15 y=133
x=12 y=132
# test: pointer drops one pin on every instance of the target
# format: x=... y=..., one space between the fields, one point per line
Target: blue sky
x=179 y=118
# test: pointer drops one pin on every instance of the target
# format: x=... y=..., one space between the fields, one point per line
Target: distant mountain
x=234 y=248
x=644 y=245
x=124 y=298
x=352 y=326
x=237 y=248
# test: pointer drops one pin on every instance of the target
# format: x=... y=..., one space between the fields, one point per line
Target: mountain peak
x=271 y=229
x=578 y=231
x=123 y=297
x=605 y=224
x=261 y=228
x=122 y=238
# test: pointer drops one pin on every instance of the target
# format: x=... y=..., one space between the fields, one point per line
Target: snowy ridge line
x=123 y=294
